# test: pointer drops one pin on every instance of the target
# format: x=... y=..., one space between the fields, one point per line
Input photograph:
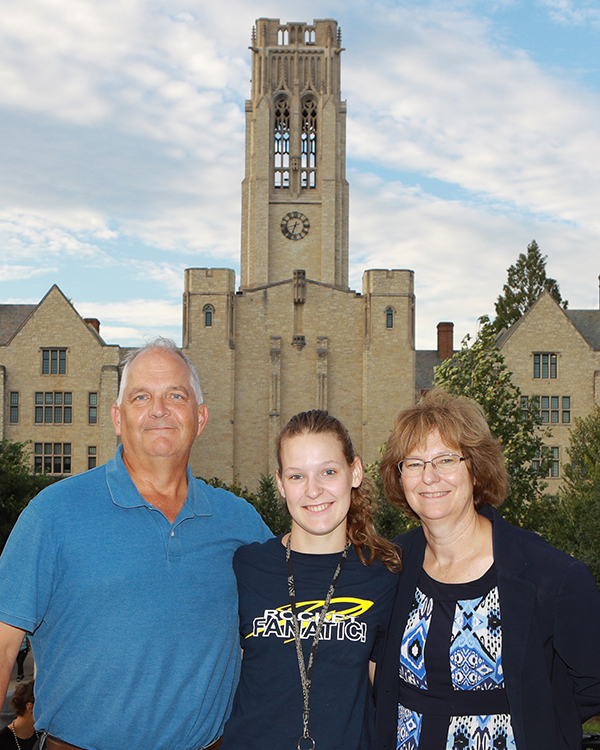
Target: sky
x=473 y=128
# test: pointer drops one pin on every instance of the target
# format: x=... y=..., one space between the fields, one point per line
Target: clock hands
x=295 y=225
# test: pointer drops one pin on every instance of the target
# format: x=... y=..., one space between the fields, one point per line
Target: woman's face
x=316 y=482
x=434 y=496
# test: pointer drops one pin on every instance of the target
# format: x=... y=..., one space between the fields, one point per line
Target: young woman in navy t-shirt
x=313 y=603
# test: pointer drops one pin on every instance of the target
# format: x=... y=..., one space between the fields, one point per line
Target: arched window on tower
x=281 y=144
x=208 y=311
x=389 y=318
x=308 y=149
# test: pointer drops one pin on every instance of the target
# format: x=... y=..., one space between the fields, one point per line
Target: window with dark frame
x=553 y=454
x=553 y=409
x=91 y=457
x=566 y=409
x=545 y=366
x=389 y=318
x=53 y=407
x=14 y=407
x=93 y=408
x=54 y=361
x=209 y=312
x=52 y=458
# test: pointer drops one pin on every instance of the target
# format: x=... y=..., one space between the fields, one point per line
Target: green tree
x=271 y=507
x=390 y=521
x=478 y=371
x=17 y=484
x=266 y=500
x=577 y=529
x=526 y=281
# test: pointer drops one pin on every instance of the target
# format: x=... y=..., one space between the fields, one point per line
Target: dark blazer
x=550 y=611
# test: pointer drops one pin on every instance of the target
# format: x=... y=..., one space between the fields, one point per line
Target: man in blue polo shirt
x=123 y=577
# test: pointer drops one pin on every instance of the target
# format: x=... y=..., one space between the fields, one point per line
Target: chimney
x=445 y=338
x=95 y=323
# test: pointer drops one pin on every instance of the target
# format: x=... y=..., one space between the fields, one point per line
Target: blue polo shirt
x=134 y=619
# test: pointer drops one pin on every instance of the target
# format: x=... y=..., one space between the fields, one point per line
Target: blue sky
x=473 y=128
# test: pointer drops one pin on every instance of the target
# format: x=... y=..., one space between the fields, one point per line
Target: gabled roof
x=12 y=318
x=587 y=323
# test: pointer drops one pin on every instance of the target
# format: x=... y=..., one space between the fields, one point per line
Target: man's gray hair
x=159 y=343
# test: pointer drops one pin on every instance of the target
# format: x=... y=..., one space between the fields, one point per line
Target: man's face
x=159 y=416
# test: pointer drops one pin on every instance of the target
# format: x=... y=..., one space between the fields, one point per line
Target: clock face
x=295 y=225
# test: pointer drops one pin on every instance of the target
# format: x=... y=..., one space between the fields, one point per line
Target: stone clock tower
x=294 y=337
x=295 y=194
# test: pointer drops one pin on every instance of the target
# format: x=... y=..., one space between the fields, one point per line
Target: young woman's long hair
x=361 y=528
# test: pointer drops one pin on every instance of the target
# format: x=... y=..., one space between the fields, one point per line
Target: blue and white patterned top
x=452 y=694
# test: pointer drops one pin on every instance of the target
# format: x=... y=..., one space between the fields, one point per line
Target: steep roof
x=12 y=318
x=425 y=361
x=587 y=323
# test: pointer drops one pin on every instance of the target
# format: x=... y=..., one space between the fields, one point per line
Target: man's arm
x=10 y=642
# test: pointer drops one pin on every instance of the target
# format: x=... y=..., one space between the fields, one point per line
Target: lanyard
x=306 y=671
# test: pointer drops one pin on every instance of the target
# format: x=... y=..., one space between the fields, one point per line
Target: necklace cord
x=307 y=670
x=12 y=728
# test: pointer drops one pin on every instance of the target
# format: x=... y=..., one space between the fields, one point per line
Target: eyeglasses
x=444 y=464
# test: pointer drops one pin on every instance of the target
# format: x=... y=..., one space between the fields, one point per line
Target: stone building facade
x=554 y=354
x=294 y=336
x=58 y=382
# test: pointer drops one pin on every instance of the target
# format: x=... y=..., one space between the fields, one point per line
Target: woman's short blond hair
x=462 y=425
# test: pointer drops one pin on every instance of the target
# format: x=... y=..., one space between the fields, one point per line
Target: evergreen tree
x=526 y=281
x=266 y=500
x=479 y=372
x=271 y=507
x=390 y=521
x=577 y=525
x=17 y=484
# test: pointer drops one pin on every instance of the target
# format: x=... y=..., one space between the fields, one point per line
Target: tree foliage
x=390 y=521
x=478 y=371
x=17 y=484
x=266 y=500
x=526 y=281
x=576 y=527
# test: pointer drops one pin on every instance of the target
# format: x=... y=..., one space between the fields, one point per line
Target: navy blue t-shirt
x=267 y=709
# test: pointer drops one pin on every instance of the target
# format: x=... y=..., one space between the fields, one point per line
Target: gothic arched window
x=389 y=318
x=281 y=144
x=308 y=141
x=209 y=312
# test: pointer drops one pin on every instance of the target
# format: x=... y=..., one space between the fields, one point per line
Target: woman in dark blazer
x=494 y=640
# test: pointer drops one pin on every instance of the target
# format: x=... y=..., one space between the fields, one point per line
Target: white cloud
x=139 y=312
x=572 y=13
x=451 y=104
x=25 y=235
x=14 y=272
x=127 y=336
x=168 y=274
x=459 y=252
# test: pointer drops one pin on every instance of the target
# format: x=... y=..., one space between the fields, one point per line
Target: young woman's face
x=316 y=483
